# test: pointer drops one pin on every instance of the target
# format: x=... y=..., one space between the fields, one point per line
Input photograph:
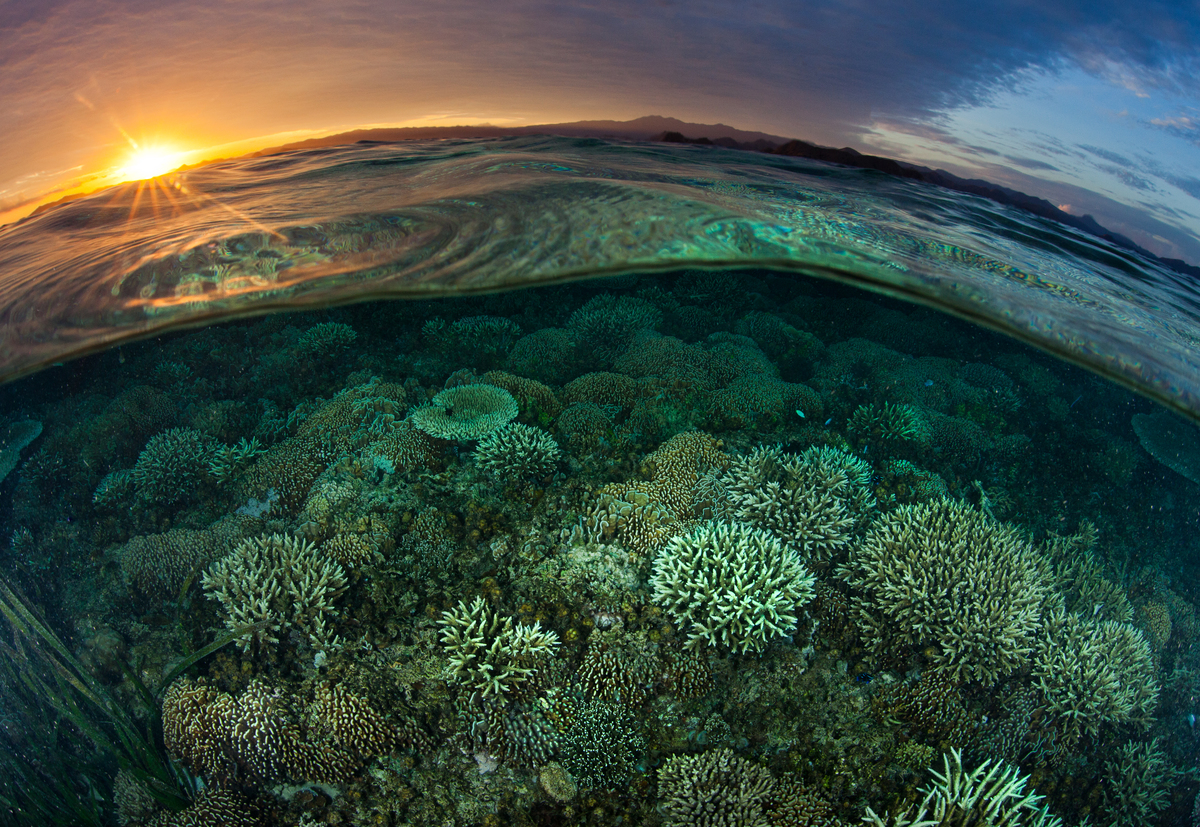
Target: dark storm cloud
x=835 y=62
x=1030 y=163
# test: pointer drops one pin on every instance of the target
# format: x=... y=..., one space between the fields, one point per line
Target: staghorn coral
x=325 y=339
x=732 y=586
x=815 y=500
x=173 y=465
x=940 y=574
x=606 y=324
x=1080 y=579
x=889 y=426
x=958 y=798
x=490 y=655
x=1138 y=785
x=280 y=580
x=1092 y=672
x=518 y=452
x=114 y=489
x=714 y=789
x=15 y=437
x=484 y=341
x=466 y=412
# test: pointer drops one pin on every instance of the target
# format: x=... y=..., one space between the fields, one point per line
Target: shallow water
x=605 y=551
x=342 y=224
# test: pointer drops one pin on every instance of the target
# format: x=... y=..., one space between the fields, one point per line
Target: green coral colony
x=707 y=548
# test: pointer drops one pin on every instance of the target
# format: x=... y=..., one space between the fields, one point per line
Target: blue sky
x=1094 y=105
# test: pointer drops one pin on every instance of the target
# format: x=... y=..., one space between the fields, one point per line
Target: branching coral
x=1092 y=672
x=607 y=323
x=490 y=654
x=1138 y=785
x=714 y=789
x=815 y=500
x=517 y=451
x=993 y=793
x=326 y=339
x=889 y=425
x=731 y=585
x=173 y=464
x=281 y=580
x=941 y=574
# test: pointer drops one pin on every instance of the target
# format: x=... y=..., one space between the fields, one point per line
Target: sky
x=1094 y=104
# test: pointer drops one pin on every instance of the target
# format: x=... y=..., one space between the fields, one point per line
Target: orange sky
x=81 y=82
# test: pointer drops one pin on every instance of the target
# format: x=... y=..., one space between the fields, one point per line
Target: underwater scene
x=682 y=545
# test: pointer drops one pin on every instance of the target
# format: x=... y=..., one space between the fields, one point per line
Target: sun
x=149 y=162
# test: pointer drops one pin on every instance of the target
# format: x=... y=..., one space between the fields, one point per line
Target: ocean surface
x=560 y=481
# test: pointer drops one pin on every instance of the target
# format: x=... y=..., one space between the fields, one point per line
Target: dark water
x=712 y=537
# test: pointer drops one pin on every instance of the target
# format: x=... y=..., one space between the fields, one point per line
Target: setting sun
x=149 y=162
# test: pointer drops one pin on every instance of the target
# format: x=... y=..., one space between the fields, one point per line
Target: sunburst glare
x=149 y=162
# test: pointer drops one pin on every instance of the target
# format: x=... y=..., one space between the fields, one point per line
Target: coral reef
x=1138 y=785
x=490 y=654
x=714 y=789
x=517 y=451
x=959 y=798
x=173 y=464
x=941 y=574
x=815 y=501
x=1093 y=672
x=466 y=412
x=326 y=339
x=280 y=581
x=731 y=585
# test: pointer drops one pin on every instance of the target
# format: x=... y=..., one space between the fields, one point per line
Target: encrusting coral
x=942 y=575
x=281 y=581
x=731 y=585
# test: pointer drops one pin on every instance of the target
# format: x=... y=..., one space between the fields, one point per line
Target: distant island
x=672 y=130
